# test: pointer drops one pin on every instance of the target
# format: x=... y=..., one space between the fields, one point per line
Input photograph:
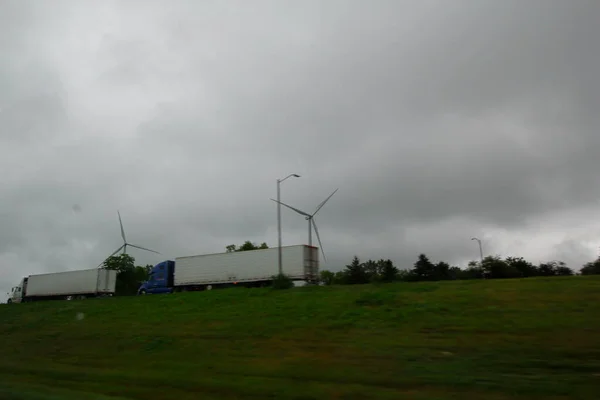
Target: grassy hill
x=502 y=339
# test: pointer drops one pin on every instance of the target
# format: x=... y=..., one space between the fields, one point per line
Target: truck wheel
x=9 y=301
x=142 y=292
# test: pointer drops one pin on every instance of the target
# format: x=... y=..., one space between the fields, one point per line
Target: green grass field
x=484 y=340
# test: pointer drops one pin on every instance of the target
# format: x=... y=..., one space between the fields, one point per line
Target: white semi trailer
x=65 y=285
x=253 y=268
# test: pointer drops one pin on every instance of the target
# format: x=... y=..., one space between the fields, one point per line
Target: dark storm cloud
x=437 y=122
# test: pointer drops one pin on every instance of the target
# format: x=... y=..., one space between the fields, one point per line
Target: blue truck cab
x=160 y=279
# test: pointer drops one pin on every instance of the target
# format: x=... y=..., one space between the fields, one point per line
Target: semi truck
x=67 y=285
x=253 y=268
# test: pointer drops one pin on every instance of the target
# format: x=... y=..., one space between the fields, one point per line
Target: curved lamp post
x=279 y=262
x=480 y=249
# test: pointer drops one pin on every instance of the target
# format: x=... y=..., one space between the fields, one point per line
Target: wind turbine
x=311 y=220
x=125 y=244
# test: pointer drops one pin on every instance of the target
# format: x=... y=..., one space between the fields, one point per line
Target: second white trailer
x=254 y=268
x=300 y=262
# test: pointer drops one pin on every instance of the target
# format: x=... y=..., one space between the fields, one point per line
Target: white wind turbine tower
x=125 y=244
x=311 y=220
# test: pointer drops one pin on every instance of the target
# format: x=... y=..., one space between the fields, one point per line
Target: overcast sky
x=437 y=120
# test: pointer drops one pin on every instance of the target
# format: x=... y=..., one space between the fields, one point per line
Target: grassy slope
x=530 y=338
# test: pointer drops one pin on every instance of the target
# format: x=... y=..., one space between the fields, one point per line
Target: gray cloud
x=437 y=123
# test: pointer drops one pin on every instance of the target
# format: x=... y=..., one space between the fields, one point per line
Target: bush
x=327 y=277
x=282 y=281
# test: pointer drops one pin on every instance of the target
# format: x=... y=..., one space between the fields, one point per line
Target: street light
x=480 y=249
x=279 y=219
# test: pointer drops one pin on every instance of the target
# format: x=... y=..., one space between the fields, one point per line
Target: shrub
x=327 y=277
x=282 y=281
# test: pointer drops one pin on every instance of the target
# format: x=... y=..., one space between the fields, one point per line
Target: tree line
x=491 y=267
x=130 y=276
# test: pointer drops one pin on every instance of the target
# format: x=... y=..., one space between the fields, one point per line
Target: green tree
x=405 y=275
x=473 y=271
x=340 y=278
x=455 y=273
x=424 y=269
x=389 y=272
x=371 y=269
x=526 y=268
x=129 y=276
x=591 y=268
x=120 y=263
x=355 y=272
x=380 y=270
x=441 y=271
x=141 y=274
x=554 y=268
x=563 y=270
x=327 y=277
x=247 y=246
x=546 y=269
x=496 y=268
x=549 y=268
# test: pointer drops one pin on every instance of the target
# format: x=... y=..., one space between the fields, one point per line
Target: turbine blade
x=143 y=248
x=325 y=201
x=319 y=238
x=122 y=230
x=292 y=208
x=116 y=251
x=113 y=253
